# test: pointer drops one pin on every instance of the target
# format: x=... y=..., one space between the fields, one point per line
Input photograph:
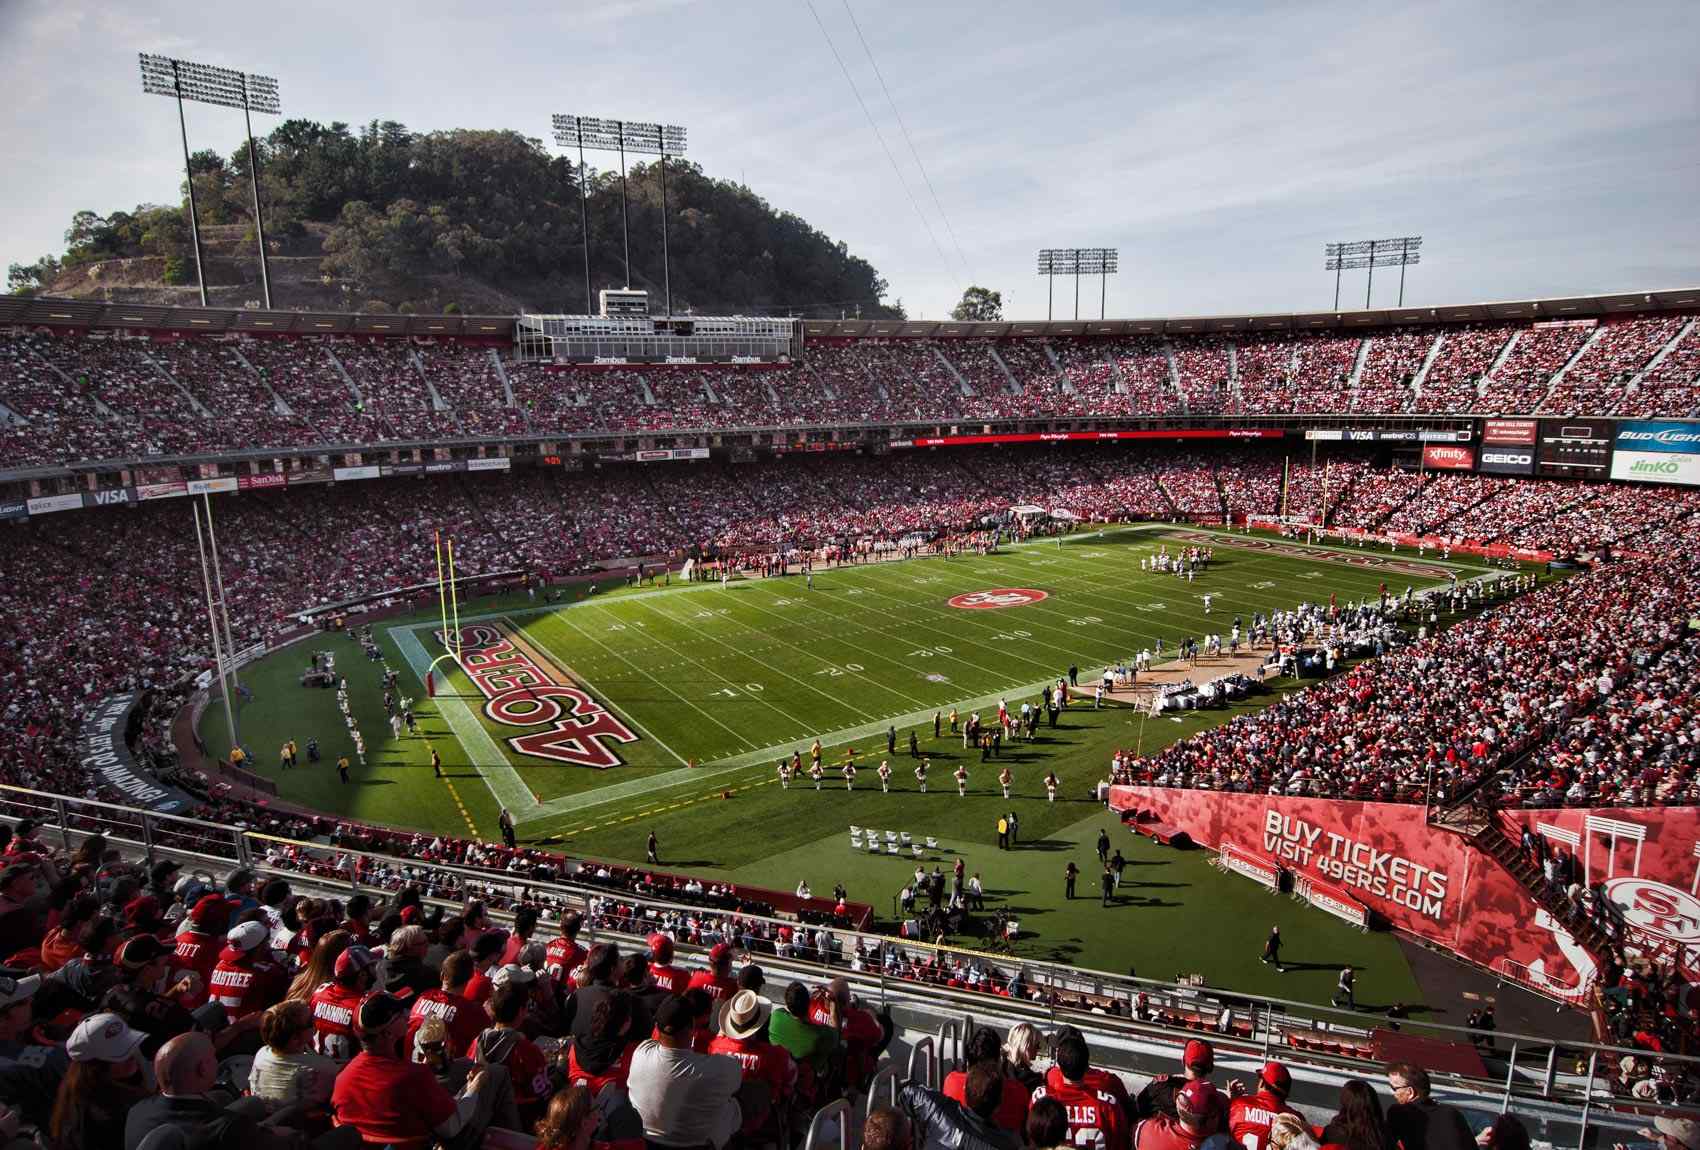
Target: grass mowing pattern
x=734 y=676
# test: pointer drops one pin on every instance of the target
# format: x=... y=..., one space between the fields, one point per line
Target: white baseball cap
x=247 y=935
x=523 y=975
x=16 y=990
x=103 y=1038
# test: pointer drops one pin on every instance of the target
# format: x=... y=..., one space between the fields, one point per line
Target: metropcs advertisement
x=1657 y=451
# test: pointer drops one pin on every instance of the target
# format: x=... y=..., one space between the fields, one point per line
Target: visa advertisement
x=1657 y=451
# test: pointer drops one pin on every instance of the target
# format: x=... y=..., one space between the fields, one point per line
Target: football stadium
x=504 y=649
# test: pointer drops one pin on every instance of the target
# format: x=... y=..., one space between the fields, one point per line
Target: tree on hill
x=403 y=210
x=978 y=304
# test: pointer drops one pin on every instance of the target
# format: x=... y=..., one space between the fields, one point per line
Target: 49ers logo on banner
x=522 y=691
x=1000 y=597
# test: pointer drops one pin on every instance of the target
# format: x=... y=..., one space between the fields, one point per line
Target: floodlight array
x=1078 y=261
x=209 y=84
x=1399 y=251
x=617 y=135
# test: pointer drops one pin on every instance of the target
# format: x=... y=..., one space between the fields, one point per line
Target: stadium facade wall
x=1420 y=879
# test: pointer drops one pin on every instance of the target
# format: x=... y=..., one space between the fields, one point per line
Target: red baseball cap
x=719 y=953
x=660 y=948
x=1275 y=1076
x=1196 y=1098
x=1199 y=1055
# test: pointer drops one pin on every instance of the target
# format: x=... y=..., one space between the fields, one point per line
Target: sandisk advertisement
x=1443 y=457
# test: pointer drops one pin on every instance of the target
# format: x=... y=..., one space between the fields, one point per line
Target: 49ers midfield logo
x=1000 y=597
x=519 y=691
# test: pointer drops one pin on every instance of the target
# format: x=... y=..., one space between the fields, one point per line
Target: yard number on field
x=834 y=672
x=1085 y=621
x=732 y=692
x=929 y=652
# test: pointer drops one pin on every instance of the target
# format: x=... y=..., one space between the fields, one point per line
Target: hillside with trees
x=382 y=219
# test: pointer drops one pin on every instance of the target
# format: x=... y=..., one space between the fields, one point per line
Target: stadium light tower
x=210 y=84
x=1101 y=261
x=624 y=136
x=1400 y=252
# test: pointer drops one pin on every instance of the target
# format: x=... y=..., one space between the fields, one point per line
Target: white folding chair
x=855 y=831
x=855 y=842
x=905 y=839
x=873 y=846
x=890 y=848
x=890 y=836
x=932 y=843
x=918 y=851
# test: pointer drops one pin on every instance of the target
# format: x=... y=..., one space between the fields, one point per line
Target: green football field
x=649 y=680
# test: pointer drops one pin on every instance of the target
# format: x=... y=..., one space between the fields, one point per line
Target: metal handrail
x=193 y=840
x=887 y=1077
x=838 y=1110
x=926 y=1053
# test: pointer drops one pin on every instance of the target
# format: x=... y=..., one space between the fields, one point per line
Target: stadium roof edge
x=48 y=311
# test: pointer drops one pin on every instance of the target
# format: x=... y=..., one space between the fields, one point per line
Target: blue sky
x=1541 y=149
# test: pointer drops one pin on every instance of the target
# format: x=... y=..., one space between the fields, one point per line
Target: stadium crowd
x=1565 y=671
x=235 y=1012
x=66 y=397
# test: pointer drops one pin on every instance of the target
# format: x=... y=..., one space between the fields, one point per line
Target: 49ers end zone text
x=519 y=691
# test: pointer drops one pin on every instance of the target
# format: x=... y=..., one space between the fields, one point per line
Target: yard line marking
x=780 y=670
x=657 y=682
x=733 y=683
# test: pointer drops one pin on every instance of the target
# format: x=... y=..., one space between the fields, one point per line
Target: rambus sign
x=998 y=598
x=522 y=691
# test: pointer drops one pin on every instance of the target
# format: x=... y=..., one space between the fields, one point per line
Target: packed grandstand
x=1577 y=695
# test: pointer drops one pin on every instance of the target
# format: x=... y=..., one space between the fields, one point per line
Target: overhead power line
x=904 y=128
x=878 y=135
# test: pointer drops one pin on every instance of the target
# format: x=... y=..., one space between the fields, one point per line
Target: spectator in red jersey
x=199 y=941
x=463 y=1018
x=486 y=956
x=1250 y=1115
x=743 y=1035
x=1198 y=1062
x=563 y=956
x=717 y=981
x=504 y=1043
x=397 y=1103
x=359 y=920
x=670 y=978
x=982 y=1046
x=1095 y=1078
x=1198 y=1105
x=334 y=1004
x=1097 y=1115
x=1358 y=1124
x=525 y=924
x=943 y=1123
x=863 y=1034
x=604 y=1055
x=247 y=978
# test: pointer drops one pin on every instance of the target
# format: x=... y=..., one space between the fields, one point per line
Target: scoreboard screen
x=1574 y=448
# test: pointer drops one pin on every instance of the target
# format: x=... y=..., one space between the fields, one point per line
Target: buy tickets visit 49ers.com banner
x=1436 y=885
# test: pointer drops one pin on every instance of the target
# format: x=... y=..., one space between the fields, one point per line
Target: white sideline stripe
x=506 y=787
